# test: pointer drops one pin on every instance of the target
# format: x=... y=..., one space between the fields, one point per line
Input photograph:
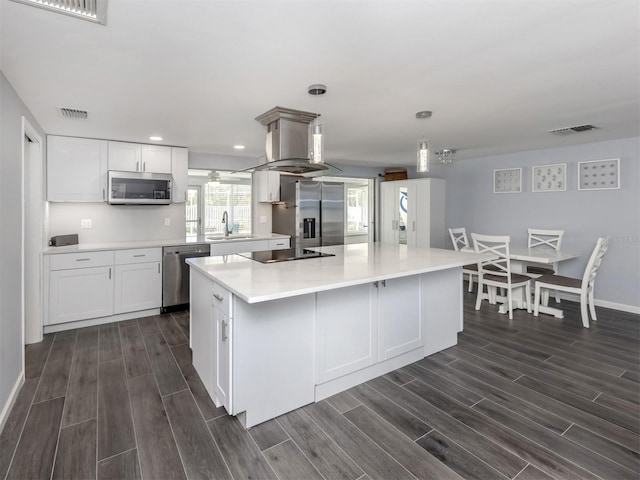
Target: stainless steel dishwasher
x=175 y=272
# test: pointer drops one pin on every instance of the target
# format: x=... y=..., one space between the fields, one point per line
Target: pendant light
x=422 y=164
x=316 y=138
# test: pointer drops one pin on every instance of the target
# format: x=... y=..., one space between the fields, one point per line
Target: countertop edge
x=468 y=258
x=126 y=245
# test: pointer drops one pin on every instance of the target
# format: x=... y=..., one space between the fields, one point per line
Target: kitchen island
x=269 y=338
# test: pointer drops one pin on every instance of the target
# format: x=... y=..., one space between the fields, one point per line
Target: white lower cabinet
x=211 y=340
x=138 y=287
x=79 y=286
x=346 y=331
x=399 y=321
x=80 y=293
x=366 y=324
x=83 y=286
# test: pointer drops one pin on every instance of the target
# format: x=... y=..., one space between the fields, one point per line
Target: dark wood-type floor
x=526 y=399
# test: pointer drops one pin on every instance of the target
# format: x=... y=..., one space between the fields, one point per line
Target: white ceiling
x=497 y=74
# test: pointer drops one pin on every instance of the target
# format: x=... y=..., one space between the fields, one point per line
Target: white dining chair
x=460 y=241
x=497 y=273
x=582 y=287
x=539 y=238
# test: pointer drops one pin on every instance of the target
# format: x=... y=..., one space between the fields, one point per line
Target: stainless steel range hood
x=287 y=148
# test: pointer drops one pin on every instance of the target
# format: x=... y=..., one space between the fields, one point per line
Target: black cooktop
x=273 y=256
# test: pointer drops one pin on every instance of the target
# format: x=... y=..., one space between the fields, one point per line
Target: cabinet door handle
x=217 y=297
x=144 y=166
x=158 y=268
x=109 y=273
x=224 y=331
x=414 y=225
x=137 y=166
x=82 y=259
x=140 y=255
x=384 y=283
x=375 y=284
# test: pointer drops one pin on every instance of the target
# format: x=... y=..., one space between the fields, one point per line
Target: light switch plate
x=86 y=223
x=167 y=221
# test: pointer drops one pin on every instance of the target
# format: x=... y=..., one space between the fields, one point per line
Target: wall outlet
x=167 y=221
x=263 y=219
x=86 y=223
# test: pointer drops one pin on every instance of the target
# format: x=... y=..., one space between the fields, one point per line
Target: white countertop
x=95 y=247
x=352 y=265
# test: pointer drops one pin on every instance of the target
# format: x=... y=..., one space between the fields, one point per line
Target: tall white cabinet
x=412 y=212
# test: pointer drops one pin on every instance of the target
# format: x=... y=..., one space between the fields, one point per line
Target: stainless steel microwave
x=139 y=188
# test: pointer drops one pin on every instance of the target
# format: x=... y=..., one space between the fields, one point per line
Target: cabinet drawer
x=221 y=299
x=279 y=243
x=65 y=261
x=138 y=255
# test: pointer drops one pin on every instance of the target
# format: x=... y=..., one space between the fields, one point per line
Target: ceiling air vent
x=572 y=130
x=73 y=113
x=92 y=10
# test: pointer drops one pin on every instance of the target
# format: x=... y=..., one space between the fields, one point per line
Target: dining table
x=520 y=258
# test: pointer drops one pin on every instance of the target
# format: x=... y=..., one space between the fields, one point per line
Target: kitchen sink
x=231 y=237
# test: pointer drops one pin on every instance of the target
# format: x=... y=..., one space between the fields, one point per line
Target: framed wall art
x=599 y=174
x=549 y=178
x=507 y=180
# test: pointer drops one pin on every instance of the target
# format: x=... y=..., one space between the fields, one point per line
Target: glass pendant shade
x=316 y=143
x=423 y=157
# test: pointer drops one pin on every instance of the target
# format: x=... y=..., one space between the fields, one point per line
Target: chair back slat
x=588 y=280
x=459 y=238
x=548 y=238
x=497 y=245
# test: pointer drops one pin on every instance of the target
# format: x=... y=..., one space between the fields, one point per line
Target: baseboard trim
x=60 y=327
x=6 y=410
x=603 y=303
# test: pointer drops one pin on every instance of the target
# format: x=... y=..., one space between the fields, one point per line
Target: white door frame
x=34 y=157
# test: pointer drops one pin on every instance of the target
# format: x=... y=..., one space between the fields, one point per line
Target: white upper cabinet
x=125 y=157
x=267 y=186
x=76 y=169
x=156 y=159
x=133 y=157
x=179 y=169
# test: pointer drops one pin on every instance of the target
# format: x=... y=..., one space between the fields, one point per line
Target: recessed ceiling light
x=155 y=138
x=239 y=147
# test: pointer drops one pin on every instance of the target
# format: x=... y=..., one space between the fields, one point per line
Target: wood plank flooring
x=522 y=399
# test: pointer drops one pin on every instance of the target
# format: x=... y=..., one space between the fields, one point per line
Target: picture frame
x=549 y=178
x=599 y=174
x=507 y=180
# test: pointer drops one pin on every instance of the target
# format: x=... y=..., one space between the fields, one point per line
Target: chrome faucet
x=225 y=220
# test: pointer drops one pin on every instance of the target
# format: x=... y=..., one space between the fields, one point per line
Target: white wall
x=584 y=215
x=11 y=347
x=117 y=223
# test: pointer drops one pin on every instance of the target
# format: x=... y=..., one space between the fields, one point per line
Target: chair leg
x=592 y=306
x=510 y=304
x=557 y=296
x=545 y=297
x=479 y=297
x=528 y=296
x=583 y=310
x=471 y=282
x=536 y=302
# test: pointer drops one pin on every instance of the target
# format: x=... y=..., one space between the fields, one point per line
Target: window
x=211 y=194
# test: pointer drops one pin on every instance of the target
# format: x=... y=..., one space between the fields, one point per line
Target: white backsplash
x=117 y=223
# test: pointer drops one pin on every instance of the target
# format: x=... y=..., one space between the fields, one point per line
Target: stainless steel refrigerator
x=312 y=213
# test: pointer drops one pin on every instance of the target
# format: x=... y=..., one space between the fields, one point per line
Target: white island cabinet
x=269 y=338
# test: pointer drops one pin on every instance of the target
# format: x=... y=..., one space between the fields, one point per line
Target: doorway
x=33 y=201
